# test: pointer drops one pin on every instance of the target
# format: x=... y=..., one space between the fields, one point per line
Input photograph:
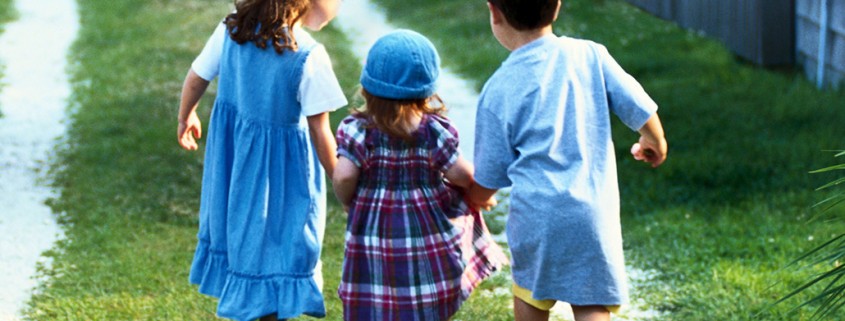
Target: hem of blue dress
x=248 y=297
x=611 y=298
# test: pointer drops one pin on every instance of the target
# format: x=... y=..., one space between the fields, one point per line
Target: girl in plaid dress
x=405 y=259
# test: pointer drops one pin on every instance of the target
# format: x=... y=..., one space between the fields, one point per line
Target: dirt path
x=33 y=100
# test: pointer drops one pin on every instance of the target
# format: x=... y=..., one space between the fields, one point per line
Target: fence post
x=823 y=20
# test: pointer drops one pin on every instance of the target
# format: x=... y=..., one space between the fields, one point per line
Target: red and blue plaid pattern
x=404 y=259
x=481 y=254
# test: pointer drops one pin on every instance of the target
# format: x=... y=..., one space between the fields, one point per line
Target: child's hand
x=488 y=204
x=652 y=147
x=187 y=130
x=638 y=152
x=479 y=197
x=649 y=152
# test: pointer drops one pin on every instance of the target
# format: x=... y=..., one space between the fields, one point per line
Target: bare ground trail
x=33 y=101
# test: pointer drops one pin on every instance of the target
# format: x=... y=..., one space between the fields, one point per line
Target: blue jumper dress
x=262 y=211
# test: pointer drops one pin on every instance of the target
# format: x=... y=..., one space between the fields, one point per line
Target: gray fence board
x=807 y=25
x=837 y=17
x=836 y=54
x=766 y=32
x=758 y=30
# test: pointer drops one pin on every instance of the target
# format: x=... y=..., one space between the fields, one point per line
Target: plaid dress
x=405 y=259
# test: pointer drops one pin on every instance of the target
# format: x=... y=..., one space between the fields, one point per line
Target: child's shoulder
x=571 y=44
x=304 y=39
x=352 y=128
x=442 y=125
x=440 y=119
x=355 y=120
x=577 y=46
x=573 y=41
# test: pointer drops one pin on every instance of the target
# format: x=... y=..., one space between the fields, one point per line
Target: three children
x=415 y=248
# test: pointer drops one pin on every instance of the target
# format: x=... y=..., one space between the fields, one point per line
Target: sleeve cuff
x=348 y=155
x=491 y=183
x=325 y=106
x=204 y=74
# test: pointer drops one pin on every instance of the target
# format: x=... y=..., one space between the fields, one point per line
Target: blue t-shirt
x=543 y=128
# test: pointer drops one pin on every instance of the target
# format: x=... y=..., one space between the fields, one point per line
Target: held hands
x=479 y=197
x=487 y=204
x=649 y=151
x=187 y=131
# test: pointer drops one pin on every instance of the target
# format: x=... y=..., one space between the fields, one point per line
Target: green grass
x=7 y=14
x=718 y=222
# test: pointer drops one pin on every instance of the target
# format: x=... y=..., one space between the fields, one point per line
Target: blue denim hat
x=401 y=65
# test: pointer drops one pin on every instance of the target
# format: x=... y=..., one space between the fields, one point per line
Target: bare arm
x=323 y=140
x=460 y=173
x=345 y=180
x=652 y=146
x=190 y=127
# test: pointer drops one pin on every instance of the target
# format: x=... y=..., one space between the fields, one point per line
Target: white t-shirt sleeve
x=319 y=90
x=207 y=64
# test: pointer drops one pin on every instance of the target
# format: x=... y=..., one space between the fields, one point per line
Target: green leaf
x=828 y=169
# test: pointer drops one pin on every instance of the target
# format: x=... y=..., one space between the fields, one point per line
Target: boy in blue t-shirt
x=543 y=128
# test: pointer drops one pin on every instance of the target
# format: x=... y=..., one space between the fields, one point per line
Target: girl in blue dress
x=262 y=211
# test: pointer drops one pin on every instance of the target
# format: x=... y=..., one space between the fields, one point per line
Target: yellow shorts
x=545 y=305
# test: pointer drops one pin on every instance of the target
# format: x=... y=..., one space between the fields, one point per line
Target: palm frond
x=835 y=182
x=828 y=169
x=831 y=299
x=816 y=250
x=830 y=202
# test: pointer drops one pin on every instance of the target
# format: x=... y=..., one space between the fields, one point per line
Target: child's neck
x=518 y=38
x=414 y=122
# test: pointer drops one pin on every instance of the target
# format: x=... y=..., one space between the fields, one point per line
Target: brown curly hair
x=393 y=116
x=263 y=21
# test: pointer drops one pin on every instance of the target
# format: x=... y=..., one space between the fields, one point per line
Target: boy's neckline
x=533 y=44
x=519 y=39
x=525 y=41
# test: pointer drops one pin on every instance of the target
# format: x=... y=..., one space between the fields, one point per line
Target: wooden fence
x=809 y=18
x=760 y=31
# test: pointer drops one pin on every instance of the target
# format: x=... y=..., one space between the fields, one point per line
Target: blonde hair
x=394 y=116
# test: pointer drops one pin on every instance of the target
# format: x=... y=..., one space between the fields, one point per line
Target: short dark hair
x=527 y=14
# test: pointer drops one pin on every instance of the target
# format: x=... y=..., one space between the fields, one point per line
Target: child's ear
x=496 y=16
x=557 y=11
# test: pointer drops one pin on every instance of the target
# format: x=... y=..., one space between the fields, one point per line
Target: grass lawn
x=717 y=223
x=7 y=14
